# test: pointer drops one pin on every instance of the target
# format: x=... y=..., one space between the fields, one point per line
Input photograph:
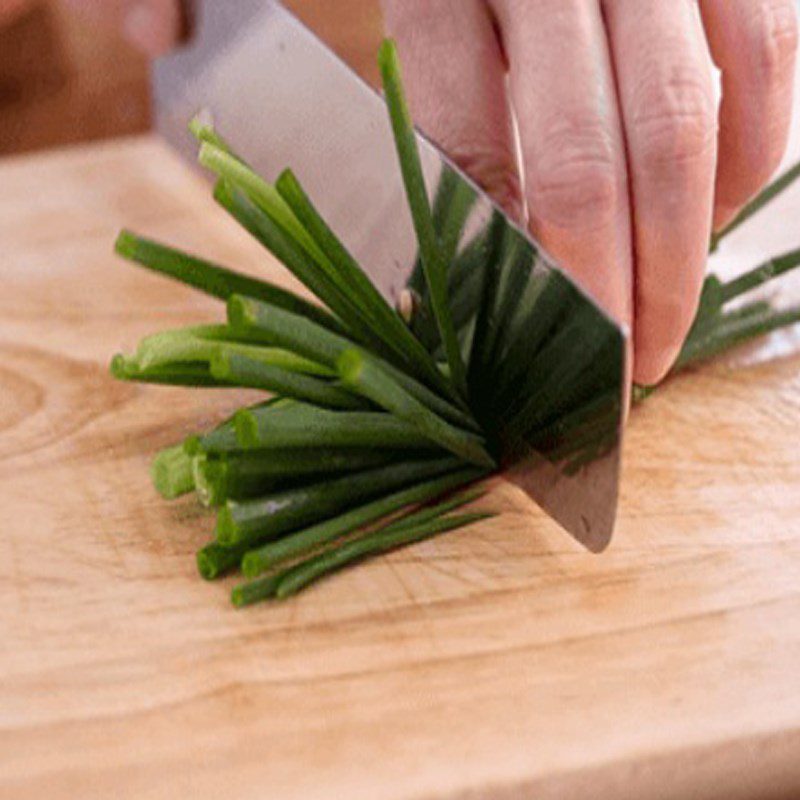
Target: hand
x=153 y=26
x=11 y=9
x=627 y=162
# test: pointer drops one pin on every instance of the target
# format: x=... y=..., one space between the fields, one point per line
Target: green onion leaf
x=431 y=254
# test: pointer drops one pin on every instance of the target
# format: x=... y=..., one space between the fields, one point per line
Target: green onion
x=172 y=473
x=379 y=542
x=209 y=343
x=362 y=374
x=214 y=560
x=201 y=127
x=247 y=474
x=265 y=196
x=299 y=262
x=251 y=319
x=430 y=251
x=268 y=518
x=772 y=191
x=213 y=279
x=301 y=543
x=429 y=513
x=769 y=270
x=253 y=592
x=734 y=331
x=309 y=426
x=197 y=374
x=251 y=373
x=393 y=332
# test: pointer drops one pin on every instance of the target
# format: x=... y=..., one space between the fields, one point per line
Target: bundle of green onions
x=379 y=422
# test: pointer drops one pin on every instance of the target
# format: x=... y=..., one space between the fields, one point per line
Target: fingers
x=665 y=82
x=754 y=43
x=11 y=9
x=455 y=78
x=572 y=143
x=152 y=26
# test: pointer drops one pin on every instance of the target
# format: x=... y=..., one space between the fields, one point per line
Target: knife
x=283 y=99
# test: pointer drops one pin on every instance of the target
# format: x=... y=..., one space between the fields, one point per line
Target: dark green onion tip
x=226 y=527
x=126 y=244
x=118 y=366
x=206 y=566
x=248 y=593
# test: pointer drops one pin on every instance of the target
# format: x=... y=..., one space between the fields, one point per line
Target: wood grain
x=499 y=662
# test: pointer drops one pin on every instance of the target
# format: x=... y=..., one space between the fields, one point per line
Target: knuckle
x=772 y=35
x=674 y=116
x=576 y=177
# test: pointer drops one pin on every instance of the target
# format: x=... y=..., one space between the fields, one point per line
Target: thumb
x=455 y=77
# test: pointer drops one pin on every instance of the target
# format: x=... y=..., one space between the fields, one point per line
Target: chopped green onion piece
x=263 y=194
x=393 y=332
x=172 y=473
x=253 y=592
x=247 y=474
x=197 y=374
x=214 y=560
x=310 y=426
x=243 y=370
x=298 y=544
x=430 y=251
x=209 y=342
x=268 y=518
x=362 y=374
x=298 y=261
x=428 y=513
x=373 y=544
x=249 y=318
x=213 y=279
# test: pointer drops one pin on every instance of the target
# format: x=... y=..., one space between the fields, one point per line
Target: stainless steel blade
x=284 y=100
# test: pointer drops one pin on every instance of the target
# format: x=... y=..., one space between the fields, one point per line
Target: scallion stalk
x=214 y=560
x=248 y=474
x=171 y=472
x=362 y=374
x=268 y=518
x=197 y=374
x=213 y=279
x=430 y=250
x=373 y=544
x=301 y=543
x=394 y=333
x=243 y=370
x=310 y=426
x=252 y=319
x=769 y=270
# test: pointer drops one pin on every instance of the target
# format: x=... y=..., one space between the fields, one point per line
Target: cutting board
x=501 y=661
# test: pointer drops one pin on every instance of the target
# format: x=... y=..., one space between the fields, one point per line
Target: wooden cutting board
x=502 y=661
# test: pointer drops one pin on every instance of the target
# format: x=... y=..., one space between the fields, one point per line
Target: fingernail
x=141 y=28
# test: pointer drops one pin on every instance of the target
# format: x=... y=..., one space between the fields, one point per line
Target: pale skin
x=627 y=162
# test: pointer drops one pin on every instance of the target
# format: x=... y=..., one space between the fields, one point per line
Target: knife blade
x=283 y=99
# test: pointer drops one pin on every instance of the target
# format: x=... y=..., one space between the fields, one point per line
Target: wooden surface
x=498 y=662
x=65 y=80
